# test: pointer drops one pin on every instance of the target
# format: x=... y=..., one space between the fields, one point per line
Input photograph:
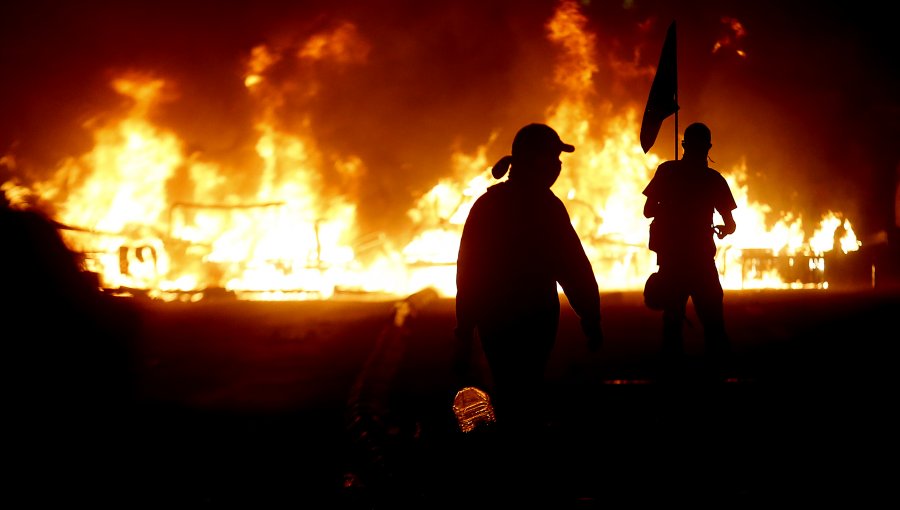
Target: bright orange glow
x=282 y=238
x=343 y=44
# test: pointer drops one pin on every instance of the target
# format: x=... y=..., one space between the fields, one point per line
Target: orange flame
x=285 y=240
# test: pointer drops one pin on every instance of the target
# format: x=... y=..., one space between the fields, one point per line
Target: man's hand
x=722 y=231
x=728 y=227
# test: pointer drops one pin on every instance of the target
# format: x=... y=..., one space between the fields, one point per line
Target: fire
x=342 y=44
x=735 y=31
x=283 y=238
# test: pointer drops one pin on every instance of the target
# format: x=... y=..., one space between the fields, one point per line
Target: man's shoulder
x=669 y=165
x=712 y=173
x=672 y=162
x=497 y=189
x=664 y=173
x=494 y=196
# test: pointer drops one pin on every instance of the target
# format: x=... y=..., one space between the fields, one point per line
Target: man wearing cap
x=681 y=199
x=518 y=243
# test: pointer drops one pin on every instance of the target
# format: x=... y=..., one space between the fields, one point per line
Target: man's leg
x=708 y=303
x=672 y=356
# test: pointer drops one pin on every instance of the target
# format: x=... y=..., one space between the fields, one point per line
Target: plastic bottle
x=473 y=408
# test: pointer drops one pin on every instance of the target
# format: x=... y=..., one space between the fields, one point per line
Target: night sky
x=813 y=107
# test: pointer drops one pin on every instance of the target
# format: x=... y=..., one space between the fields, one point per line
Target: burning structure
x=294 y=209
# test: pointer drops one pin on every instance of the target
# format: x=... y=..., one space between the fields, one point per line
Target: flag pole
x=676 y=134
x=675 y=67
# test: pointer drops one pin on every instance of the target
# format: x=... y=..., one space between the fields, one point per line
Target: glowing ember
x=734 y=33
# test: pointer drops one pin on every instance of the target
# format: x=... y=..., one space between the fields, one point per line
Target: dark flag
x=663 y=98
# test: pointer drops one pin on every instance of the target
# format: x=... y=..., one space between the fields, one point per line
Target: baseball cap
x=537 y=138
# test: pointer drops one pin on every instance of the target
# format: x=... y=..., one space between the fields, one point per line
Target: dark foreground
x=347 y=404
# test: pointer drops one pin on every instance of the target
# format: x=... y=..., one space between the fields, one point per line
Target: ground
x=346 y=403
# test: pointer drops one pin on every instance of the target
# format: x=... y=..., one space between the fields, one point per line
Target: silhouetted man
x=517 y=244
x=681 y=199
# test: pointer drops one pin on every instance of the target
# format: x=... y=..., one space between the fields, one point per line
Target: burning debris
x=152 y=215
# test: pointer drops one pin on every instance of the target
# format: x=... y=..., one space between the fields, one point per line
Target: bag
x=664 y=237
x=656 y=292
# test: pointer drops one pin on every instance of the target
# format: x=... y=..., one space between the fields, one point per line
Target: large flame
x=281 y=238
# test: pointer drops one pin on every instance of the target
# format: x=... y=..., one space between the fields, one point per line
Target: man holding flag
x=682 y=197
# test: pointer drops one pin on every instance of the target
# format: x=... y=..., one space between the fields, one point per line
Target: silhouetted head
x=697 y=139
x=535 y=156
x=538 y=139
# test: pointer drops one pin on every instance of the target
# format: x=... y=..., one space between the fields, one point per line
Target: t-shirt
x=688 y=194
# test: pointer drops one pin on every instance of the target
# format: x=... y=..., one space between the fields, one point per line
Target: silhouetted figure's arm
x=729 y=225
x=656 y=190
x=724 y=203
x=576 y=277
x=470 y=276
x=469 y=273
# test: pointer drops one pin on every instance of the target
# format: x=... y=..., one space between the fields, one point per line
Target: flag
x=663 y=98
